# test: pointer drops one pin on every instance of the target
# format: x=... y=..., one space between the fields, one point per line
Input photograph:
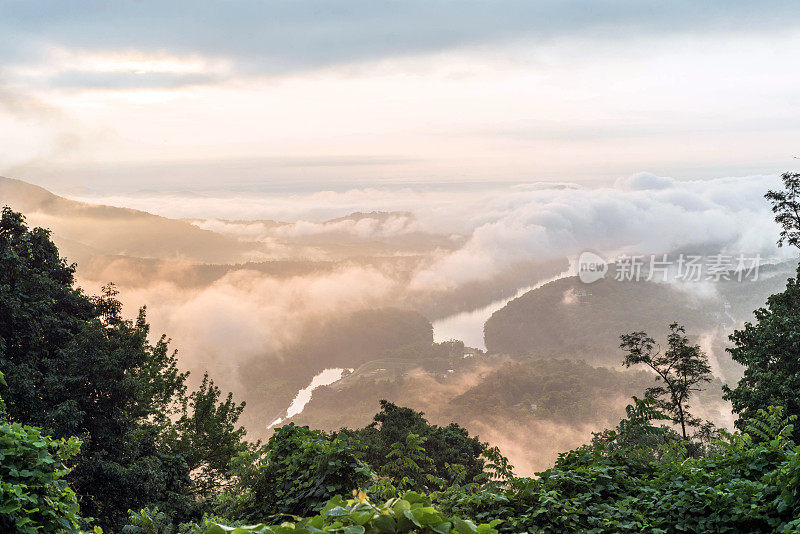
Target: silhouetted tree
x=444 y=446
x=681 y=369
x=786 y=207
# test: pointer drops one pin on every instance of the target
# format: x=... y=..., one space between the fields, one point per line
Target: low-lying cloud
x=643 y=213
x=364 y=226
x=640 y=214
x=246 y=315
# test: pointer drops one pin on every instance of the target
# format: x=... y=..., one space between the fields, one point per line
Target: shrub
x=411 y=512
x=296 y=472
x=34 y=495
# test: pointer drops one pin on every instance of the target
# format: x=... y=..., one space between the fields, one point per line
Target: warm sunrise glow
x=363 y=267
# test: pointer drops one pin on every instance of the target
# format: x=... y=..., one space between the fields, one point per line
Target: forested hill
x=88 y=229
x=584 y=320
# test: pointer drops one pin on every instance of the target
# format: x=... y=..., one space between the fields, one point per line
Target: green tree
x=770 y=348
x=75 y=367
x=295 y=472
x=40 y=315
x=207 y=436
x=116 y=391
x=638 y=435
x=770 y=351
x=406 y=461
x=444 y=446
x=681 y=369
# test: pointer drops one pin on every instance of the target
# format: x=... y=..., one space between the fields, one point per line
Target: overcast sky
x=198 y=95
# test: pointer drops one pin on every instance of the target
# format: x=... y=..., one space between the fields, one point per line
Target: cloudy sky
x=120 y=96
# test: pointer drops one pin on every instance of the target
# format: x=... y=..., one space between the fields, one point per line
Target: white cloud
x=643 y=213
x=247 y=314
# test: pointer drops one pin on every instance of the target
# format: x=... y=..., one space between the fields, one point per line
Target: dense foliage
x=639 y=477
x=387 y=448
x=295 y=472
x=408 y=512
x=744 y=483
x=75 y=367
x=34 y=495
x=769 y=349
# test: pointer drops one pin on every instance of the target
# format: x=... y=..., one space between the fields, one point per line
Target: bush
x=296 y=472
x=746 y=483
x=411 y=512
x=34 y=495
x=154 y=521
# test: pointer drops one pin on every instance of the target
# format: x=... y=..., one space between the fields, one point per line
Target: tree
x=445 y=446
x=76 y=367
x=295 y=472
x=786 y=207
x=641 y=436
x=770 y=352
x=40 y=314
x=681 y=368
x=770 y=348
x=207 y=437
x=116 y=391
x=406 y=460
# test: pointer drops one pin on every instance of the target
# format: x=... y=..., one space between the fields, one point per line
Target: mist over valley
x=266 y=305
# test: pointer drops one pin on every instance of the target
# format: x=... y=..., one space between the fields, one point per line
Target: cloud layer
x=501 y=226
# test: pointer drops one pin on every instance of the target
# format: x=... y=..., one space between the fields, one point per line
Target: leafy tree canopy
x=443 y=446
x=770 y=348
x=295 y=472
x=770 y=351
x=76 y=367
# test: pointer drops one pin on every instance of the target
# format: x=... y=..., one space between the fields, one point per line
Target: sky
x=198 y=95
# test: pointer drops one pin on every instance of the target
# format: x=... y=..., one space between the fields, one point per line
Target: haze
x=401 y=191
x=204 y=95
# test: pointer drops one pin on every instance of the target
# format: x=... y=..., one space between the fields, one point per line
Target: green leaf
x=337 y=511
x=412 y=517
x=414 y=497
x=401 y=506
x=465 y=526
x=384 y=524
